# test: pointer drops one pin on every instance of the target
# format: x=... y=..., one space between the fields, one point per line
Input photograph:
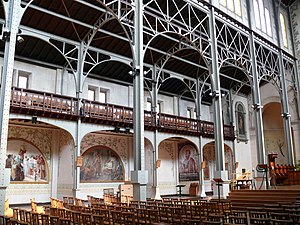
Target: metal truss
x=186 y=18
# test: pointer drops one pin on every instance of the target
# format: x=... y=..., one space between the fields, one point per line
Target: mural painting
x=188 y=163
x=101 y=164
x=27 y=163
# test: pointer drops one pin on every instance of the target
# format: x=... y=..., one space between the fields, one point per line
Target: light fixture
x=20 y=39
x=286 y=115
x=34 y=119
x=214 y=94
x=256 y=106
x=127 y=130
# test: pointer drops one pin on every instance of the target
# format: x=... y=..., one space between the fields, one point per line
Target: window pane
x=256 y=14
x=237 y=7
x=230 y=5
x=148 y=106
x=262 y=15
x=102 y=96
x=158 y=108
x=283 y=30
x=268 y=22
x=22 y=81
x=189 y=115
x=223 y=2
x=91 y=95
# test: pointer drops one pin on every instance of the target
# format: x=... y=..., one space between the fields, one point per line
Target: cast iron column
x=284 y=95
x=13 y=14
x=216 y=95
x=257 y=108
x=139 y=176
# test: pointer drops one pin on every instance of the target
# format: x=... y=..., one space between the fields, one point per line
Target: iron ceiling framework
x=99 y=36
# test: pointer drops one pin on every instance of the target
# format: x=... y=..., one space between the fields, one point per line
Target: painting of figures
x=101 y=164
x=26 y=162
x=188 y=163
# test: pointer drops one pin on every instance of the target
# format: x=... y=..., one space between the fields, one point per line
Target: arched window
x=240 y=115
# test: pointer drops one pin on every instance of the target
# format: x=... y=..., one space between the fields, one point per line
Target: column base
x=222 y=189
x=76 y=192
x=202 y=191
x=157 y=193
x=139 y=179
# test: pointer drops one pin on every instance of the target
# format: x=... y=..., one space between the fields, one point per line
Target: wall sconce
x=127 y=130
x=34 y=119
x=20 y=39
x=5 y=36
x=286 y=115
x=214 y=94
x=256 y=106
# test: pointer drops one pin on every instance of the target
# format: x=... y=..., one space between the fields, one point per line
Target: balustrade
x=59 y=106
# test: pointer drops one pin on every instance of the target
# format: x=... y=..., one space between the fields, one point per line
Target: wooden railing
x=28 y=100
x=58 y=106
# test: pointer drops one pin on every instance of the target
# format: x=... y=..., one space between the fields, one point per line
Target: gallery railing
x=58 y=106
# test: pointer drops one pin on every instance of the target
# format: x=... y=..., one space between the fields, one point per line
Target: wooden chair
x=4 y=220
x=22 y=215
x=53 y=211
x=153 y=217
x=281 y=222
x=44 y=219
x=164 y=214
x=54 y=220
x=176 y=217
x=261 y=221
x=87 y=218
x=116 y=218
x=35 y=218
x=196 y=212
x=15 y=213
x=216 y=217
x=28 y=217
x=128 y=218
x=238 y=219
x=106 y=216
x=76 y=218
x=206 y=222
x=189 y=221
x=280 y=216
x=257 y=217
x=142 y=216
x=64 y=221
x=98 y=219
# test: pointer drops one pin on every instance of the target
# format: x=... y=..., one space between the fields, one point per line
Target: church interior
x=149 y=112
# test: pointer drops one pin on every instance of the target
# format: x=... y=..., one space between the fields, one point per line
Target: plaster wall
x=66 y=165
x=167 y=175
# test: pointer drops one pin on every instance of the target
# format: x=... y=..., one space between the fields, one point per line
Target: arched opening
x=274 y=132
x=179 y=165
x=209 y=165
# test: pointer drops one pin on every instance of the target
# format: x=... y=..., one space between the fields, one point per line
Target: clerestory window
x=233 y=6
x=262 y=16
